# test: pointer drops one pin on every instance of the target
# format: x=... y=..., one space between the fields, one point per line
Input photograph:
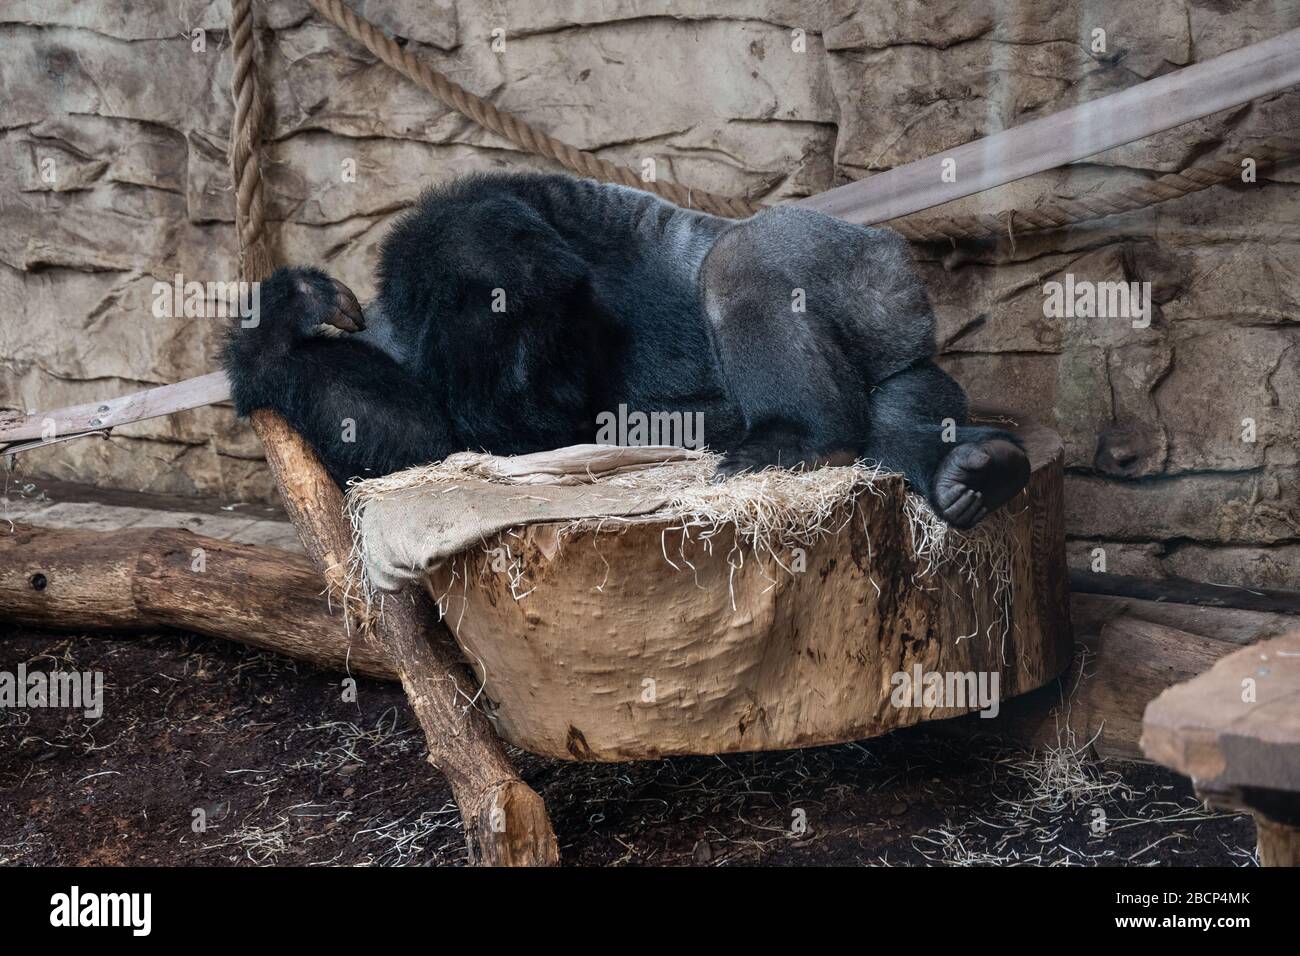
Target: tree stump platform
x=639 y=640
x=1235 y=730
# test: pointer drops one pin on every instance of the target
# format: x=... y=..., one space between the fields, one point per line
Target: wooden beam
x=1186 y=591
x=1229 y=80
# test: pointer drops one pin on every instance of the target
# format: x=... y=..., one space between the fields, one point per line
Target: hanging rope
x=522 y=134
x=313 y=501
x=245 y=140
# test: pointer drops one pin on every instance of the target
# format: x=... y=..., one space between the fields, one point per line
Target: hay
x=771 y=512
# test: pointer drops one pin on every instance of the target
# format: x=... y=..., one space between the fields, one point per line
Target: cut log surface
x=1236 y=727
x=638 y=641
x=1235 y=730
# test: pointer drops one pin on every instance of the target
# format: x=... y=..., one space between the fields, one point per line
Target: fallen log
x=152 y=578
x=1129 y=652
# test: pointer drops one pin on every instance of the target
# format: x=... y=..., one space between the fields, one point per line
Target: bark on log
x=505 y=820
x=143 y=579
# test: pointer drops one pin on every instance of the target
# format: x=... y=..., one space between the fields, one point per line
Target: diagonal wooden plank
x=100 y=416
x=1229 y=80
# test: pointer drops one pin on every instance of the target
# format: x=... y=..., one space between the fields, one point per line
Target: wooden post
x=1278 y=843
x=505 y=820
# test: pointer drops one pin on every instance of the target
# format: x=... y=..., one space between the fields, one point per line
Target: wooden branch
x=149 y=578
x=505 y=820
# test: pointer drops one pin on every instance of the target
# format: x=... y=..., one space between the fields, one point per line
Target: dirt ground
x=285 y=771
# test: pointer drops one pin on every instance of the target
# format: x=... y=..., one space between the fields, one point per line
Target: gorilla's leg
x=787 y=390
x=358 y=408
x=805 y=311
x=917 y=428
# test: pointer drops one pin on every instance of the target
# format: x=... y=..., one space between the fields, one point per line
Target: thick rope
x=523 y=135
x=245 y=139
x=1066 y=212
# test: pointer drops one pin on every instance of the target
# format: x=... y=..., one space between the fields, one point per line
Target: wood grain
x=618 y=654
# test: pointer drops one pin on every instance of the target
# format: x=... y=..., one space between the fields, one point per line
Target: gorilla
x=514 y=309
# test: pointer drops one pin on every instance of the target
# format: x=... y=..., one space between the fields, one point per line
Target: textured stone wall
x=114 y=98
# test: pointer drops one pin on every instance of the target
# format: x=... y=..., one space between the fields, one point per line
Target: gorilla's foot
x=976 y=478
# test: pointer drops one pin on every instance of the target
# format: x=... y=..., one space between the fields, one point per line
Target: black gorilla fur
x=614 y=297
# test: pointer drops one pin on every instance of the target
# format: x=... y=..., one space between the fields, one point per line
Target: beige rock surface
x=133 y=121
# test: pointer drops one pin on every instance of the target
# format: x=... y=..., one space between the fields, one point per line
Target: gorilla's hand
x=347 y=310
x=309 y=302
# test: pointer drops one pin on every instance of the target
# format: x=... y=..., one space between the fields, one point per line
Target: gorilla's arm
x=361 y=411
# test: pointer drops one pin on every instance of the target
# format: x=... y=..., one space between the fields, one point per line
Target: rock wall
x=114 y=119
